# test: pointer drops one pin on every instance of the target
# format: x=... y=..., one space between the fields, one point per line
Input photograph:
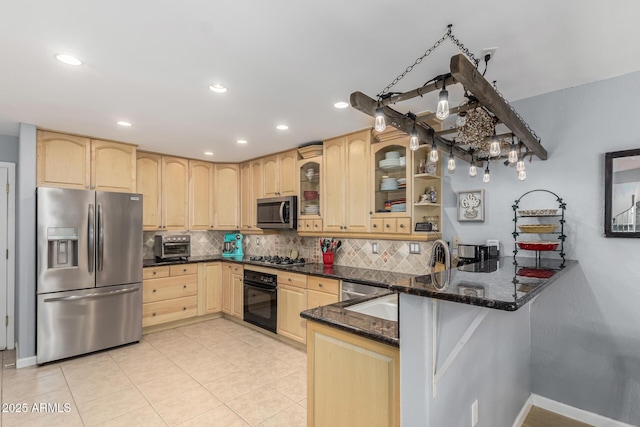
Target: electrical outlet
x=456 y=242
x=474 y=413
x=414 y=248
x=374 y=248
x=491 y=51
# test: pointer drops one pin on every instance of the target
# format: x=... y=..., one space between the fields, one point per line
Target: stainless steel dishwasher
x=357 y=290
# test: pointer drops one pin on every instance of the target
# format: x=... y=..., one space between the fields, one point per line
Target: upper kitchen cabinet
x=279 y=172
x=226 y=197
x=175 y=193
x=70 y=161
x=200 y=195
x=309 y=197
x=346 y=184
x=164 y=184
x=391 y=166
x=427 y=192
x=251 y=184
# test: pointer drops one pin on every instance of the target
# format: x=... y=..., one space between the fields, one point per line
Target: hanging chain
x=448 y=35
x=495 y=87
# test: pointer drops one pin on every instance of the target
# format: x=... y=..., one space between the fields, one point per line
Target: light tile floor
x=213 y=373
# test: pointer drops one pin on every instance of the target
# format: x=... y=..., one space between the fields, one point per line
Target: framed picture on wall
x=471 y=205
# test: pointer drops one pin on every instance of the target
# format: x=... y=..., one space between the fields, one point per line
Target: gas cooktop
x=278 y=260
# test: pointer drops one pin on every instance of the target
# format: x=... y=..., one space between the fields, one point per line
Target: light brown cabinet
x=251 y=183
x=169 y=293
x=279 y=174
x=232 y=289
x=226 y=196
x=346 y=185
x=347 y=371
x=164 y=184
x=292 y=299
x=201 y=186
x=69 y=161
x=322 y=291
x=209 y=288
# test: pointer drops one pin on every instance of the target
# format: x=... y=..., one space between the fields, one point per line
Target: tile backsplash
x=393 y=255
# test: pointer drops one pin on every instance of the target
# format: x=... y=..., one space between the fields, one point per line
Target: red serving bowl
x=310 y=195
x=538 y=246
x=538 y=273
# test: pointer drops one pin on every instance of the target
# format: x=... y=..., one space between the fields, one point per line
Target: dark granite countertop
x=506 y=284
x=375 y=328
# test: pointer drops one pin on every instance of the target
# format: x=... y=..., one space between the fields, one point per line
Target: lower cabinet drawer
x=323 y=284
x=155 y=313
x=169 y=288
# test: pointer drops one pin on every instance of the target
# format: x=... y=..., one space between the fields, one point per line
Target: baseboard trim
x=523 y=412
x=574 y=413
x=26 y=361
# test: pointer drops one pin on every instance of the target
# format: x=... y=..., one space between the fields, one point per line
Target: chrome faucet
x=440 y=254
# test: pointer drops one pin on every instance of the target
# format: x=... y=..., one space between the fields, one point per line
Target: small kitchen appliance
x=232 y=246
x=471 y=254
x=172 y=247
x=278 y=213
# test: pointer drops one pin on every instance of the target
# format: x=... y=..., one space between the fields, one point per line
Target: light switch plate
x=414 y=248
x=374 y=248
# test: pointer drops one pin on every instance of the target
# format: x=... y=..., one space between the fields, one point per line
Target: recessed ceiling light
x=341 y=104
x=123 y=123
x=241 y=141
x=68 y=59
x=208 y=153
x=282 y=127
x=218 y=88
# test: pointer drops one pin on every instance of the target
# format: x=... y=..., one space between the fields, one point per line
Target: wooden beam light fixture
x=483 y=99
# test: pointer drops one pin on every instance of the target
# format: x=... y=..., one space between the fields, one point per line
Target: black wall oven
x=261 y=299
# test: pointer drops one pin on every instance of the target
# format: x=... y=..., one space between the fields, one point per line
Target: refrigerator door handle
x=100 y=238
x=93 y=295
x=92 y=239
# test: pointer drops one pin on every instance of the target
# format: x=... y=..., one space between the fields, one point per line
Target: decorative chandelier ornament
x=483 y=109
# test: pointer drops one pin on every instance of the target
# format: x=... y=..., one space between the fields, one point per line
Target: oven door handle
x=261 y=287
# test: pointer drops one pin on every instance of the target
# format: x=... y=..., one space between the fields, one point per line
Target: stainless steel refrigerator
x=89 y=271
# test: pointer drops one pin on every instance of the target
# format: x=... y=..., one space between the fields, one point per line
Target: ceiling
x=283 y=61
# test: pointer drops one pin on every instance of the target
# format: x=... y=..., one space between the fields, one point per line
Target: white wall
x=586 y=329
x=8 y=148
x=26 y=247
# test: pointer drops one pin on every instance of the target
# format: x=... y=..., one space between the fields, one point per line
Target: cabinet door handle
x=375 y=225
x=388 y=226
x=154 y=291
x=184 y=286
x=184 y=308
x=315 y=225
x=155 y=272
x=184 y=270
x=153 y=314
x=319 y=285
x=401 y=225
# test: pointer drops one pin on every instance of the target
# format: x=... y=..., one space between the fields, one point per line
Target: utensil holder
x=327 y=258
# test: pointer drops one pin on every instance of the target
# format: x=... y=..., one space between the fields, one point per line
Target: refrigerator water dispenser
x=63 y=247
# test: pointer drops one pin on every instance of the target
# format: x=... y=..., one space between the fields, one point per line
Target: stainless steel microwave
x=278 y=213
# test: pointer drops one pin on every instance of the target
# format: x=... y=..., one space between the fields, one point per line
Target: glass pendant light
x=433 y=154
x=522 y=175
x=513 y=151
x=473 y=170
x=486 y=177
x=443 y=104
x=451 y=164
x=520 y=165
x=414 y=142
x=494 y=148
x=380 y=124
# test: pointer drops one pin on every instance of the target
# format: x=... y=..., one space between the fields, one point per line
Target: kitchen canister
x=327 y=258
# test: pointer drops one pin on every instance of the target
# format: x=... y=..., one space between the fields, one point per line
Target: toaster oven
x=172 y=247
